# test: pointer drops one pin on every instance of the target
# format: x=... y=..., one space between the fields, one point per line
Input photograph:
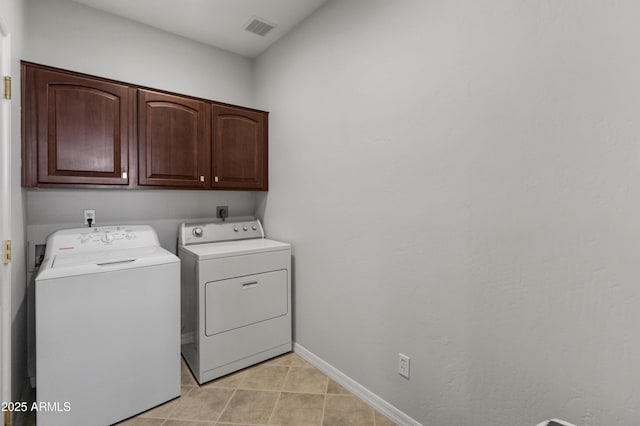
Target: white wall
x=460 y=181
x=72 y=36
x=164 y=210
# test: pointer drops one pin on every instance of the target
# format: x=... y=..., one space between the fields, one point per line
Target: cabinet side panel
x=29 y=128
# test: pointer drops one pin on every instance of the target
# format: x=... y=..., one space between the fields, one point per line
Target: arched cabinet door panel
x=173 y=141
x=79 y=129
x=239 y=155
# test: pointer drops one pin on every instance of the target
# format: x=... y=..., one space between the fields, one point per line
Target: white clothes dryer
x=107 y=326
x=236 y=297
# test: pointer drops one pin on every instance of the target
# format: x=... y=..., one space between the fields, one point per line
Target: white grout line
x=273 y=411
x=324 y=406
x=373 y=413
x=227 y=404
x=286 y=376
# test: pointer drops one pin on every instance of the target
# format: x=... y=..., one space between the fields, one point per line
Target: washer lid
x=71 y=264
x=235 y=248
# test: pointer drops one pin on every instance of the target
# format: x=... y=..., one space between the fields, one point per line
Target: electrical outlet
x=222 y=212
x=90 y=214
x=403 y=365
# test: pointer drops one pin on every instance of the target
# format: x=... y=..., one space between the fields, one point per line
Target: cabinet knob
x=201 y=178
x=215 y=179
x=124 y=175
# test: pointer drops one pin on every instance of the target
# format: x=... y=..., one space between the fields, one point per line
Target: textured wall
x=460 y=183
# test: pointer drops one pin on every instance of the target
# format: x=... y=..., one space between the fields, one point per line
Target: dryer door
x=242 y=301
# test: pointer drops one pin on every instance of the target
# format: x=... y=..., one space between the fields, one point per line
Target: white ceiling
x=218 y=23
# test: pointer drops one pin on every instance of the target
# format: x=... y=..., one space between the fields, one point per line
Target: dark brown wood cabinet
x=91 y=132
x=76 y=130
x=239 y=154
x=173 y=140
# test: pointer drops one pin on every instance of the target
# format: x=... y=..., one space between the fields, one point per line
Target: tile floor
x=285 y=391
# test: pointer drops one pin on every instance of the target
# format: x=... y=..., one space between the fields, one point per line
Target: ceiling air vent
x=259 y=26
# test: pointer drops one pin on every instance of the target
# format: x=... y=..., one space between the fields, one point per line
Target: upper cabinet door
x=79 y=129
x=173 y=141
x=239 y=154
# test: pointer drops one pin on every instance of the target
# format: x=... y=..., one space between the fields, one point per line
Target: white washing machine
x=236 y=297
x=107 y=326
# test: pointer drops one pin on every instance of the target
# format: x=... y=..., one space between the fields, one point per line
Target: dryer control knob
x=254 y=227
x=235 y=228
x=197 y=232
x=129 y=235
x=244 y=228
x=107 y=238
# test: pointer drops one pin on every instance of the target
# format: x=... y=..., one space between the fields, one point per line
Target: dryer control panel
x=196 y=233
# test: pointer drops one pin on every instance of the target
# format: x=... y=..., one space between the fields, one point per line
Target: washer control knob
x=197 y=232
x=107 y=238
x=129 y=235
x=235 y=228
x=254 y=227
x=244 y=228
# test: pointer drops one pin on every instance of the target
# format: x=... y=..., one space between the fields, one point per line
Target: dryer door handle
x=250 y=284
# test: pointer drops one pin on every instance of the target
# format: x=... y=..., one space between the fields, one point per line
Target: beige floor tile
x=202 y=404
x=163 y=411
x=234 y=424
x=186 y=378
x=265 y=377
x=252 y=397
x=289 y=358
x=284 y=359
x=335 y=388
x=297 y=361
x=382 y=420
x=141 y=421
x=347 y=410
x=187 y=423
x=309 y=380
x=250 y=406
x=298 y=409
x=229 y=381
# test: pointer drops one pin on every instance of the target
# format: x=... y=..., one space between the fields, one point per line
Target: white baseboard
x=388 y=410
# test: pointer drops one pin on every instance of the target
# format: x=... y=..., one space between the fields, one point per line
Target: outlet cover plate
x=90 y=214
x=225 y=209
x=403 y=365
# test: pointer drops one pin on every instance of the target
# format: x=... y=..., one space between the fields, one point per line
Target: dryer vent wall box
x=236 y=297
x=108 y=320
